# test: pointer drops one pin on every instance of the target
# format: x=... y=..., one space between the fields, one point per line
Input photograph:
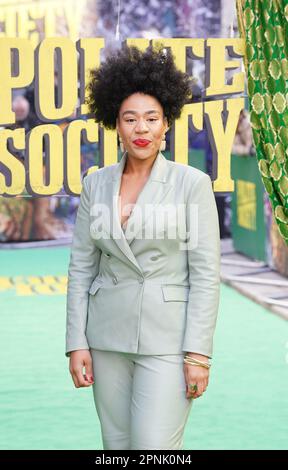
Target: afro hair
x=130 y=70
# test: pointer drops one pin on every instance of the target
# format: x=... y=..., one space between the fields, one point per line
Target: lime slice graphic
x=275 y=170
x=274 y=119
x=270 y=34
x=254 y=120
x=263 y=167
x=268 y=185
x=248 y=17
x=264 y=124
x=279 y=36
x=266 y=14
x=251 y=35
x=279 y=102
x=280 y=214
x=281 y=85
x=254 y=69
x=284 y=68
x=283 y=185
x=274 y=69
x=257 y=103
x=267 y=50
x=283 y=229
x=259 y=38
x=256 y=137
x=283 y=133
x=272 y=135
x=251 y=86
x=269 y=149
x=270 y=85
x=250 y=51
x=285 y=116
x=263 y=69
x=268 y=102
x=279 y=152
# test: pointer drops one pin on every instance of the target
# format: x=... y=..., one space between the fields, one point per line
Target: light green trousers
x=140 y=400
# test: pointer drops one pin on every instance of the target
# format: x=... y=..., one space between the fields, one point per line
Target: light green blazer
x=155 y=288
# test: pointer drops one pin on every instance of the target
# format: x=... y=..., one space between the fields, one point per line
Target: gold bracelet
x=196 y=365
x=195 y=362
x=206 y=364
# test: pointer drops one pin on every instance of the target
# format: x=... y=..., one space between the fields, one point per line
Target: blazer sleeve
x=204 y=268
x=83 y=268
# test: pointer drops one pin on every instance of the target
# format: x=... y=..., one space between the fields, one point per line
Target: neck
x=138 y=167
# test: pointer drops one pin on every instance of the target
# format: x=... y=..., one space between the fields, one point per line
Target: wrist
x=201 y=357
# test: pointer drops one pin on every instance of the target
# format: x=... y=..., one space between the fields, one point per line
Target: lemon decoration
x=279 y=36
x=264 y=26
x=283 y=134
x=280 y=214
x=279 y=102
x=248 y=18
x=263 y=167
x=268 y=185
x=279 y=152
x=257 y=103
x=270 y=34
x=283 y=228
x=283 y=185
x=254 y=69
x=269 y=149
x=275 y=170
x=255 y=121
x=268 y=102
x=274 y=69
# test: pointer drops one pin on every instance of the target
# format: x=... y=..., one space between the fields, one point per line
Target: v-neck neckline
x=138 y=197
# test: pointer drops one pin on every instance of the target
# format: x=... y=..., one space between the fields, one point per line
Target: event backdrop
x=52 y=217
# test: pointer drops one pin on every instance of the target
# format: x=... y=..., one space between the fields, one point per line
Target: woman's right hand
x=79 y=359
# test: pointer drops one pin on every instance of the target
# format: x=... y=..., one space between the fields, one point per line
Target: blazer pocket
x=96 y=284
x=174 y=293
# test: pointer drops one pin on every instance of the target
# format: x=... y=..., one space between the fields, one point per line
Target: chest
x=130 y=188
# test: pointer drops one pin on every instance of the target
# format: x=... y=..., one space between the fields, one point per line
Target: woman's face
x=141 y=118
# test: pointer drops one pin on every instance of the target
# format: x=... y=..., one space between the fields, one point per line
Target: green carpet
x=244 y=407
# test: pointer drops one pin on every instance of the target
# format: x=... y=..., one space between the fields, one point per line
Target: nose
x=141 y=126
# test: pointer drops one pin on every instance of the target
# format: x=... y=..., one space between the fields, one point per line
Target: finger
x=89 y=371
x=75 y=380
x=81 y=379
x=191 y=389
x=200 y=390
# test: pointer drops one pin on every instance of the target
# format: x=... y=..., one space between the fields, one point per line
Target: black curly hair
x=130 y=70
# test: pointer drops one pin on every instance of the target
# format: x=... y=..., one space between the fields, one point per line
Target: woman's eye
x=132 y=120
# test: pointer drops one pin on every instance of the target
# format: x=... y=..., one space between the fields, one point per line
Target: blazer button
x=141 y=280
x=154 y=258
x=114 y=279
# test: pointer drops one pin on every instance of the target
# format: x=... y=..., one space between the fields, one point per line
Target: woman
x=143 y=285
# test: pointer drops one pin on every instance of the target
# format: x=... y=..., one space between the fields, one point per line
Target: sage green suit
x=139 y=293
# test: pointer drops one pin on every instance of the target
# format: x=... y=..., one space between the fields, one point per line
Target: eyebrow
x=151 y=111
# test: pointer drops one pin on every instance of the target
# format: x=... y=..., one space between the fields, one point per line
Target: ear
x=166 y=124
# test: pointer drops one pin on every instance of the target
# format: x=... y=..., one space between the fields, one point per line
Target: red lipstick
x=141 y=142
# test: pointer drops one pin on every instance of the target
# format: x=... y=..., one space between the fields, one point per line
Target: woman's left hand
x=196 y=375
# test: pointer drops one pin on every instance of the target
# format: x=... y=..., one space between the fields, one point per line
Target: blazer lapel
x=153 y=193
